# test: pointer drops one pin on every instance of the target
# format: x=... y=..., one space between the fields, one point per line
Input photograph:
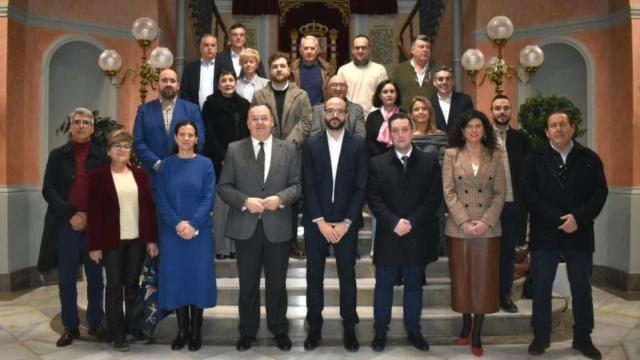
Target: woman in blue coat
x=184 y=197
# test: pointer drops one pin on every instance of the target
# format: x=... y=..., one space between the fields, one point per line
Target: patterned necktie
x=404 y=159
x=261 y=161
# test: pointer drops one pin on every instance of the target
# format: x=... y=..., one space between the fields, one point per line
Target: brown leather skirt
x=474 y=268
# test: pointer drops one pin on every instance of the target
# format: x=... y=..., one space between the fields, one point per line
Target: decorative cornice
x=558 y=29
x=19 y=188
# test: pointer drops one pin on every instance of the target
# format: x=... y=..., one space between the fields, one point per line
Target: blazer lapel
x=276 y=156
x=465 y=163
x=251 y=159
x=288 y=100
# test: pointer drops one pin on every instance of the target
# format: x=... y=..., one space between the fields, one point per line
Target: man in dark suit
x=260 y=181
x=565 y=189
x=229 y=58
x=334 y=187
x=448 y=103
x=198 y=77
x=337 y=87
x=514 y=212
x=153 y=130
x=405 y=189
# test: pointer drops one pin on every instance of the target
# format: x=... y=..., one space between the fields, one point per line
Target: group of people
x=435 y=173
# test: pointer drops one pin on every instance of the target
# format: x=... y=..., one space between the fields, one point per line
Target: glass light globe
x=531 y=56
x=499 y=28
x=472 y=59
x=493 y=62
x=144 y=29
x=161 y=58
x=110 y=60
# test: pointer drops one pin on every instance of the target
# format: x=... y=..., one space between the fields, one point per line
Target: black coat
x=58 y=179
x=225 y=121
x=548 y=196
x=190 y=82
x=518 y=146
x=223 y=61
x=413 y=194
x=372 y=127
x=459 y=103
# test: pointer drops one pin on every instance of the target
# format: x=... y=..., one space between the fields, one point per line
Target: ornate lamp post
x=499 y=30
x=145 y=31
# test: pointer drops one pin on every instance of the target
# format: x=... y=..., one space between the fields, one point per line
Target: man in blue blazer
x=334 y=164
x=447 y=103
x=153 y=131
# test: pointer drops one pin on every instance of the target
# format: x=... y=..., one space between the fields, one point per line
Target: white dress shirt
x=268 y=145
x=445 y=105
x=400 y=155
x=335 y=146
x=235 y=59
x=207 y=69
x=419 y=73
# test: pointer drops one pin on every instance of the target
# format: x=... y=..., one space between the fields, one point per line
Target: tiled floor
x=26 y=333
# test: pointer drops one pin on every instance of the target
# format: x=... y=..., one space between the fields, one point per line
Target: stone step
x=220 y=324
x=364 y=268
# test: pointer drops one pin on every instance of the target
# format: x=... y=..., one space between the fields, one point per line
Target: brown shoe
x=100 y=333
x=67 y=338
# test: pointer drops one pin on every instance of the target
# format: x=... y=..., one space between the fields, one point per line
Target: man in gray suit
x=260 y=180
x=337 y=87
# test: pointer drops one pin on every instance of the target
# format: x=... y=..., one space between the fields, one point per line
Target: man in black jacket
x=565 y=189
x=66 y=190
x=198 y=78
x=405 y=189
x=514 y=212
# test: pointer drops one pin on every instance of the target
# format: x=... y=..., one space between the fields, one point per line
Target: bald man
x=337 y=87
x=153 y=130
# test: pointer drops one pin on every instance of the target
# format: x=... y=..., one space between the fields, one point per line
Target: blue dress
x=185 y=191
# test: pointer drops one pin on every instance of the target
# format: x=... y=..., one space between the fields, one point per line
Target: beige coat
x=473 y=197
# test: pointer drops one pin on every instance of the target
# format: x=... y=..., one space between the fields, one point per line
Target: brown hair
x=431 y=124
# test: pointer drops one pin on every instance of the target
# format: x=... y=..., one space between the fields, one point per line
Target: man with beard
x=354 y=124
x=334 y=187
x=291 y=110
x=153 y=137
x=415 y=76
x=362 y=75
x=514 y=212
x=312 y=72
x=448 y=104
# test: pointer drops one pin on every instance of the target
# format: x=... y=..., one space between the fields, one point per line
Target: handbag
x=147 y=305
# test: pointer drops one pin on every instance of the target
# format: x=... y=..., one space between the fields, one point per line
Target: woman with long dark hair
x=184 y=195
x=474 y=189
x=387 y=99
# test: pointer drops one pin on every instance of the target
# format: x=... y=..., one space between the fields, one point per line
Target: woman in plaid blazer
x=474 y=189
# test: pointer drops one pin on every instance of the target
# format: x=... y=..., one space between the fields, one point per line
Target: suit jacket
x=103 y=214
x=582 y=192
x=326 y=71
x=223 y=61
x=350 y=184
x=295 y=124
x=225 y=121
x=459 y=103
x=240 y=180
x=518 y=146
x=190 y=82
x=58 y=179
x=354 y=123
x=150 y=139
x=473 y=197
x=413 y=194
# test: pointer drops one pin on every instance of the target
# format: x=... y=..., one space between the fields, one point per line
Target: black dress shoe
x=99 y=332
x=379 y=342
x=283 y=342
x=294 y=250
x=587 y=349
x=507 y=305
x=313 y=340
x=538 y=346
x=67 y=338
x=351 y=343
x=244 y=343
x=418 y=341
x=120 y=344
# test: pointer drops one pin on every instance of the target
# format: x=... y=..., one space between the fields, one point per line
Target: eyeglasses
x=263 y=119
x=334 y=112
x=82 y=122
x=122 y=147
x=337 y=85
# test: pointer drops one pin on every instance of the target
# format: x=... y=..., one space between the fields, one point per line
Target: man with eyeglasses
x=334 y=187
x=515 y=145
x=260 y=181
x=448 y=103
x=153 y=130
x=354 y=124
x=66 y=190
x=362 y=75
x=565 y=189
x=229 y=58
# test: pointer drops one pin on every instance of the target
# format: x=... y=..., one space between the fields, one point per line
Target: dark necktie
x=404 y=159
x=261 y=161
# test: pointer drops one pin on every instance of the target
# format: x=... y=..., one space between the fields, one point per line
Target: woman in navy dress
x=184 y=197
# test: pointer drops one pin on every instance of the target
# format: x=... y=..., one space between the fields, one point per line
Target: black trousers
x=317 y=249
x=251 y=256
x=123 y=266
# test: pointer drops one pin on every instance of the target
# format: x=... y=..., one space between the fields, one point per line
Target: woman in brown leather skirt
x=474 y=191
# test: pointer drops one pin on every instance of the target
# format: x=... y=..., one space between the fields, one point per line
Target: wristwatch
x=348 y=222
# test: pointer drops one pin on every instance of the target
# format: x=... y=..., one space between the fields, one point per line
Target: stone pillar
x=180 y=37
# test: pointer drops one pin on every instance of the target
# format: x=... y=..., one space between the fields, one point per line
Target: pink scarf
x=383 y=134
